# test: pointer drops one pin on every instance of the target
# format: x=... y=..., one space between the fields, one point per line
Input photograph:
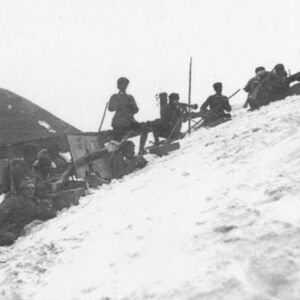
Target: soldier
x=172 y=117
x=125 y=108
x=274 y=85
x=58 y=163
x=16 y=211
x=279 y=83
x=253 y=83
x=20 y=168
x=218 y=106
x=124 y=161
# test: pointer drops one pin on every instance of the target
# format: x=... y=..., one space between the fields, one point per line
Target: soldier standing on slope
x=125 y=108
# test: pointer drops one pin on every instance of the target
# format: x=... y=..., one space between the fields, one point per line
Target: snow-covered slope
x=218 y=219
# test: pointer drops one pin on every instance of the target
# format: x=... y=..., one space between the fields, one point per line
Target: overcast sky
x=66 y=55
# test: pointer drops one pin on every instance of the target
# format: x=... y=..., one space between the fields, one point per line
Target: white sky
x=66 y=55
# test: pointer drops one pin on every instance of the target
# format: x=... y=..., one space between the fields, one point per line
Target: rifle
x=201 y=114
x=232 y=95
x=86 y=159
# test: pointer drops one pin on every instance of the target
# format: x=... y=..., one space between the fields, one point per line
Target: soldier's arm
x=5 y=208
x=141 y=162
x=227 y=106
x=134 y=107
x=205 y=105
x=113 y=103
x=247 y=86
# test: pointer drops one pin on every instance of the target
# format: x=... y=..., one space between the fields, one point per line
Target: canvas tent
x=22 y=120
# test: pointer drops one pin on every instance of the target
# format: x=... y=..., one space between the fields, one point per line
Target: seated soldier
x=253 y=83
x=20 y=168
x=125 y=108
x=217 y=104
x=123 y=161
x=170 y=124
x=16 y=211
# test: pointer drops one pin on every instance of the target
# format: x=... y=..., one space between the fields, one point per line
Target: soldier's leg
x=157 y=126
x=7 y=238
x=145 y=129
x=120 y=132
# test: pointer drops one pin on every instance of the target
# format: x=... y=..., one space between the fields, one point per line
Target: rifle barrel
x=234 y=93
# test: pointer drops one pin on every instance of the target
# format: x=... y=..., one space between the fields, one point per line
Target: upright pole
x=190 y=90
x=103 y=117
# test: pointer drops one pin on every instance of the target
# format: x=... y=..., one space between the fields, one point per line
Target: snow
x=47 y=126
x=217 y=219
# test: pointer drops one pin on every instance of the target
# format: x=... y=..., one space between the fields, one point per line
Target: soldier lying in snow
x=16 y=211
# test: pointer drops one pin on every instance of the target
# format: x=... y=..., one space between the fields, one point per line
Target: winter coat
x=121 y=166
x=217 y=104
x=19 y=169
x=17 y=211
x=125 y=107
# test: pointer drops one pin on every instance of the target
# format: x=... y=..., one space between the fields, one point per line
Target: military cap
x=258 y=69
x=217 y=85
x=122 y=79
x=174 y=97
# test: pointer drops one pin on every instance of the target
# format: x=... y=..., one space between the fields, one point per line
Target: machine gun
x=186 y=105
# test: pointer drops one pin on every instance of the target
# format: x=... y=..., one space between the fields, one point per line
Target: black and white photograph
x=149 y=150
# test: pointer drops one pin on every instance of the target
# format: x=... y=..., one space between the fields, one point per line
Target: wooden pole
x=103 y=117
x=190 y=90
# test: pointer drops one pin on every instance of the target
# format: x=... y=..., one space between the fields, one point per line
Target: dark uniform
x=16 y=211
x=125 y=108
x=254 y=82
x=279 y=83
x=124 y=162
x=274 y=86
x=170 y=123
x=218 y=105
x=20 y=169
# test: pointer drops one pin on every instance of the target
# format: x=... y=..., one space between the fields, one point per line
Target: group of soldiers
x=29 y=181
x=268 y=86
x=263 y=88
